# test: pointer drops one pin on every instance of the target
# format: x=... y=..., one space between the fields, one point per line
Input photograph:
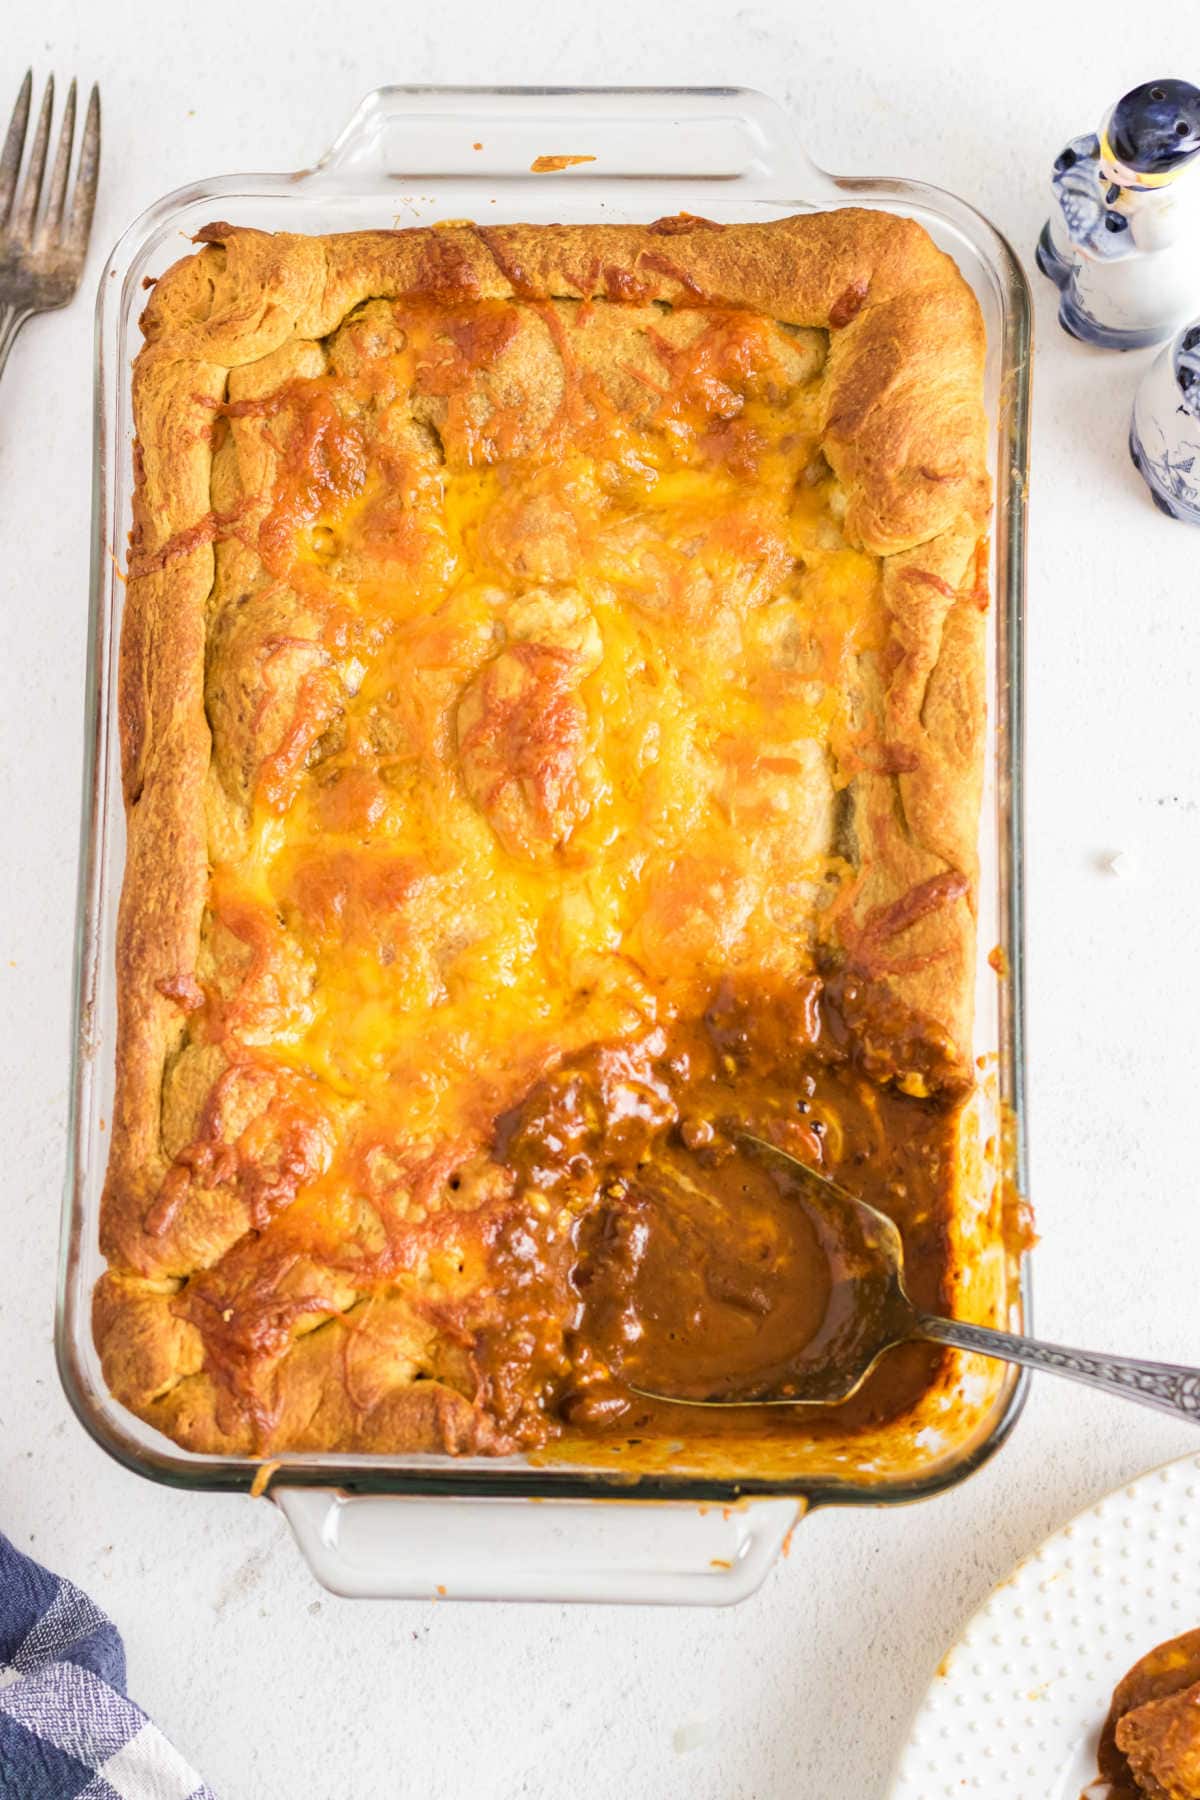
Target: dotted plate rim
x=1020 y=1698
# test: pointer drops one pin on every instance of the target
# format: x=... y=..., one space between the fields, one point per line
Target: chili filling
x=608 y=1275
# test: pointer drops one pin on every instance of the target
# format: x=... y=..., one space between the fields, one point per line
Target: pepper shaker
x=1164 y=435
x=1122 y=242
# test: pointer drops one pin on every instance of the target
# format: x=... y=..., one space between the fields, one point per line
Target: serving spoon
x=871 y=1256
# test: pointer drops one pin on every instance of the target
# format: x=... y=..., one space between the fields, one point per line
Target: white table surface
x=270 y=1686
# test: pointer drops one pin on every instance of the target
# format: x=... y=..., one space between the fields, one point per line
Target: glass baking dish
x=465 y=1527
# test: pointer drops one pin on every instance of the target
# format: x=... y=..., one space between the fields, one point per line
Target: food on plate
x=1150 y=1745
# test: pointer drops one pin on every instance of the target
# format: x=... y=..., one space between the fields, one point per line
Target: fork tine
x=84 y=202
x=52 y=222
x=31 y=190
x=14 y=143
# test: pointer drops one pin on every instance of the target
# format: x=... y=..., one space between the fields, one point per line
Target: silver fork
x=42 y=250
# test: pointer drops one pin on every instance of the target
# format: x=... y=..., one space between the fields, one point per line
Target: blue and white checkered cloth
x=67 y=1729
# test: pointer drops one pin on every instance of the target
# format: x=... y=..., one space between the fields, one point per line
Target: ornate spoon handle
x=1169 y=1387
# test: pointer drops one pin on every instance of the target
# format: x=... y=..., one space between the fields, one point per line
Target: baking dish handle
x=395 y=1547
x=551 y=135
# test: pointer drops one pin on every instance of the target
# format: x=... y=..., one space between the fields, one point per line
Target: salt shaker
x=1122 y=242
x=1164 y=436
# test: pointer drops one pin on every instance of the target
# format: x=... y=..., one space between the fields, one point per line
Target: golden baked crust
x=442 y=539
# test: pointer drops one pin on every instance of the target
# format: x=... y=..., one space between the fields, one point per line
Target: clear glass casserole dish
x=420 y=1525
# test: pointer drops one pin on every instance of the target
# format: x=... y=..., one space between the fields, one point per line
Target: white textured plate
x=1014 y=1711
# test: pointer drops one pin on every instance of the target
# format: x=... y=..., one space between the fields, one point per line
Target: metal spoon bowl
x=838 y=1365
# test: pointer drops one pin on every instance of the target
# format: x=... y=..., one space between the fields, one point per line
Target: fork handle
x=11 y=320
x=1168 y=1387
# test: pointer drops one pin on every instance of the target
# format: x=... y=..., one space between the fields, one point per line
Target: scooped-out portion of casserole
x=552 y=712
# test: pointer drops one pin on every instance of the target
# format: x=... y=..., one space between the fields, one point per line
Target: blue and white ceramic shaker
x=1164 y=436
x=1122 y=242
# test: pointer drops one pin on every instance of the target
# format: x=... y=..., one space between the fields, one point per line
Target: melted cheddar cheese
x=533 y=678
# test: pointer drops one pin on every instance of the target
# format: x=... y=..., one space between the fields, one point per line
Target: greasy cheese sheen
x=557 y=742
